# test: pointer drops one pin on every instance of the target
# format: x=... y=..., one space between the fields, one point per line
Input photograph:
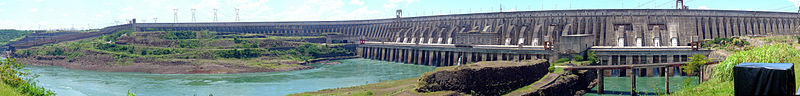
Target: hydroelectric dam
x=617 y=36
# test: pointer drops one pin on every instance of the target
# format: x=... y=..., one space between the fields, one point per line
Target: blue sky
x=82 y=14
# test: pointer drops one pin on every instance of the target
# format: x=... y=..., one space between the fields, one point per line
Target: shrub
x=309 y=51
x=180 y=35
x=590 y=56
x=577 y=58
x=696 y=61
x=561 y=60
x=14 y=76
x=238 y=53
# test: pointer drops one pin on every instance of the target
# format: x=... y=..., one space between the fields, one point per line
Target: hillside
x=183 y=52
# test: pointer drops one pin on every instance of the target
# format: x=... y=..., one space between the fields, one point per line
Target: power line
x=665 y=3
x=642 y=4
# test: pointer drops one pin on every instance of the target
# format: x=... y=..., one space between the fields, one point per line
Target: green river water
x=350 y=72
x=645 y=85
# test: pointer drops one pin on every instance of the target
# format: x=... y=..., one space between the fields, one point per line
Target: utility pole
x=193 y=18
x=215 y=14
x=237 y=14
x=176 y=14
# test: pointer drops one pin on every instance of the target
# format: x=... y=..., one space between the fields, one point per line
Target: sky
x=91 y=14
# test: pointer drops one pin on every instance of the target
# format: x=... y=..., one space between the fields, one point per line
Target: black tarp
x=764 y=79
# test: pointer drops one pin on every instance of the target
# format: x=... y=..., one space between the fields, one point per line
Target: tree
x=590 y=56
x=695 y=62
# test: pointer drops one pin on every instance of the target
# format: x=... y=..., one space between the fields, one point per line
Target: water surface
x=350 y=72
x=645 y=85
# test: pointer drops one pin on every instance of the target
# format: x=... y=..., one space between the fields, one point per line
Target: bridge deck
x=603 y=67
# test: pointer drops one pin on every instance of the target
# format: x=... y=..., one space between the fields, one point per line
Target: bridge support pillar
x=430 y=58
x=483 y=57
x=633 y=82
x=457 y=58
x=666 y=79
x=360 y=50
x=516 y=57
x=419 y=57
x=600 y=81
x=501 y=56
x=469 y=57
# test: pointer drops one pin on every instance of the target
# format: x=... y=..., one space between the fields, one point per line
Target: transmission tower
x=237 y=14
x=215 y=14
x=176 y=15
x=193 y=18
x=155 y=20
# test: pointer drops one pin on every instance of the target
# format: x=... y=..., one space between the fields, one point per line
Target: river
x=621 y=86
x=350 y=72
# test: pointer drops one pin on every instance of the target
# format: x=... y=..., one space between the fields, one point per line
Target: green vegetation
x=241 y=54
x=310 y=51
x=130 y=93
x=6 y=90
x=114 y=36
x=8 y=35
x=695 y=62
x=21 y=81
x=731 y=44
x=577 y=60
x=185 y=47
x=722 y=81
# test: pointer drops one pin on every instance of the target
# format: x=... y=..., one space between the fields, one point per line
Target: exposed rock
x=484 y=78
x=575 y=84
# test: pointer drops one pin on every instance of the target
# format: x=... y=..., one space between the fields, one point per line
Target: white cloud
x=795 y=2
x=33 y=10
x=356 y=2
x=206 y=4
x=703 y=7
x=392 y=4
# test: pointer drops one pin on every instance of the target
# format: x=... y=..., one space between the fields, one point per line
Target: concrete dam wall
x=612 y=27
x=618 y=36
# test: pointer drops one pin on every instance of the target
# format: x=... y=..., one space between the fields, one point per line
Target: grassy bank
x=6 y=90
x=16 y=81
x=722 y=82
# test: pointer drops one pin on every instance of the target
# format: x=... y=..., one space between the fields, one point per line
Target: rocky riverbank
x=570 y=84
x=484 y=78
x=156 y=66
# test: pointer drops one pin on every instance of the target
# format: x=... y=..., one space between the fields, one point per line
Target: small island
x=186 y=52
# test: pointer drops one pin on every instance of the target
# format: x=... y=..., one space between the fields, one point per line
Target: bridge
x=618 y=36
x=600 y=72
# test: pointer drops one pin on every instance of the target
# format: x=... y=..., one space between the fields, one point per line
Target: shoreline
x=162 y=67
